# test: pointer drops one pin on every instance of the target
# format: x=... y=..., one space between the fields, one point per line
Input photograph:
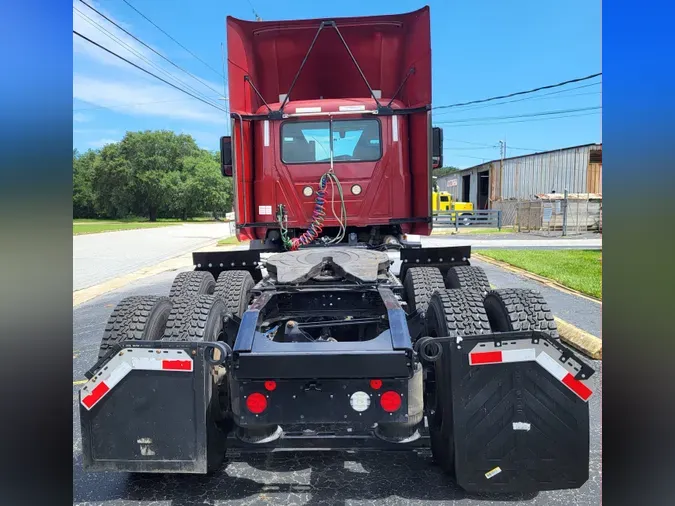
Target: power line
x=522 y=121
x=257 y=18
x=147 y=71
x=545 y=113
x=181 y=45
x=135 y=52
x=146 y=45
x=518 y=92
x=128 y=105
x=543 y=96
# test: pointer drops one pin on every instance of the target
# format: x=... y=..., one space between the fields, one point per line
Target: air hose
x=318 y=216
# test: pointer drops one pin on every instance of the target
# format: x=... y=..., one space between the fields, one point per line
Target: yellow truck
x=442 y=201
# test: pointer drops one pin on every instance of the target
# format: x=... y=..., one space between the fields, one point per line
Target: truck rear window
x=354 y=140
x=445 y=199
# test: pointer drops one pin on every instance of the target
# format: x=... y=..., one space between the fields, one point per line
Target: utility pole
x=502 y=155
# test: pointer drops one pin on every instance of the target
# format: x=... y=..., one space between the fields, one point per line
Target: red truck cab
x=349 y=96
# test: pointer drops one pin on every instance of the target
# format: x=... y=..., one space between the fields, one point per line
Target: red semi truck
x=312 y=338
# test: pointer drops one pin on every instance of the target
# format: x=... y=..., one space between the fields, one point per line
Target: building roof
x=530 y=154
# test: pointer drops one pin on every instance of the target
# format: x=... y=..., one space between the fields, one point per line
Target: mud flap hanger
x=511 y=347
x=168 y=356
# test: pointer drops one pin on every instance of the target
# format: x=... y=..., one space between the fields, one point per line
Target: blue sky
x=479 y=49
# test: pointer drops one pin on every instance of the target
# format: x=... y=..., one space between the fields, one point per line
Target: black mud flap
x=144 y=409
x=520 y=413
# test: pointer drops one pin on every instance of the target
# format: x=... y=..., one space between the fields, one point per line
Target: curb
x=588 y=344
x=536 y=277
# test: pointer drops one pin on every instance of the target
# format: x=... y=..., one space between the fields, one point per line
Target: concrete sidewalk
x=499 y=241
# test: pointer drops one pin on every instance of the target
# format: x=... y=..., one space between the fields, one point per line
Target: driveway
x=101 y=257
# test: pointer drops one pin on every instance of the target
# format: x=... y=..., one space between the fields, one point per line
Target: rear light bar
x=128 y=360
x=551 y=359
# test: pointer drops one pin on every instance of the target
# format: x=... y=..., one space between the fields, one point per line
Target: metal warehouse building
x=577 y=169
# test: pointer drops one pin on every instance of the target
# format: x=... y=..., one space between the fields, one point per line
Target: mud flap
x=520 y=413
x=144 y=409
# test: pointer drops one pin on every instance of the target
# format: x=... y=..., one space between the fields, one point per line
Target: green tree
x=112 y=183
x=84 y=197
x=153 y=158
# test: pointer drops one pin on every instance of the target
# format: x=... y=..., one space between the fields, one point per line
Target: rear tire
x=419 y=285
x=192 y=283
x=139 y=318
x=467 y=277
x=201 y=319
x=516 y=309
x=451 y=313
x=234 y=287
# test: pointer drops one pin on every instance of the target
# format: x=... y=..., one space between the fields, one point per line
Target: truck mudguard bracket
x=218 y=261
x=443 y=258
x=520 y=414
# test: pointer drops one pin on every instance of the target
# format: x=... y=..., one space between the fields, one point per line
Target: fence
x=483 y=218
x=558 y=215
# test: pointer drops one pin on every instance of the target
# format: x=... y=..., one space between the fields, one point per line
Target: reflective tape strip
x=394 y=128
x=485 y=357
x=577 y=387
x=519 y=353
x=301 y=110
x=177 y=365
x=129 y=360
x=96 y=395
x=524 y=355
x=266 y=132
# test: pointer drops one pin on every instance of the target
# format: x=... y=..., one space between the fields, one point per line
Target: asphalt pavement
x=315 y=478
x=101 y=257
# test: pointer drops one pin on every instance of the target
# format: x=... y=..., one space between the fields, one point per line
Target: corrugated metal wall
x=526 y=176
x=556 y=171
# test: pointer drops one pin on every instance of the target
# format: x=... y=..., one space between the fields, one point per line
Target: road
x=315 y=478
x=101 y=257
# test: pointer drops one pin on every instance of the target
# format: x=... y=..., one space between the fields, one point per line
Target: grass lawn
x=97 y=226
x=577 y=269
x=231 y=241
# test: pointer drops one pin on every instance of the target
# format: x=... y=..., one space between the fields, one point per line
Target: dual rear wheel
x=194 y=311
x=465 y=306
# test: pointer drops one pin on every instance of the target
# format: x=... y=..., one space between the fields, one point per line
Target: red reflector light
x=375 y=384
x=256 y=403
x=270 y=385
x=390 y=401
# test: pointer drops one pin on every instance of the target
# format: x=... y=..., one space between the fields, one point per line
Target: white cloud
x=145 y=99
x=129 y=48
x=78 y=117
x=102 y=142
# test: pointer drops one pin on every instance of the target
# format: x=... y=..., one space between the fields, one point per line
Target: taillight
x=256 y=403
x=270 y=385
x=375 y=384
x=390 y=401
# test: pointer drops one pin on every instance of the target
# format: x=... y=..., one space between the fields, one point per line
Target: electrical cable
x=181 y=45
x=149 y=47
x=549 y=86
x=146 y=71
x=110 y=35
